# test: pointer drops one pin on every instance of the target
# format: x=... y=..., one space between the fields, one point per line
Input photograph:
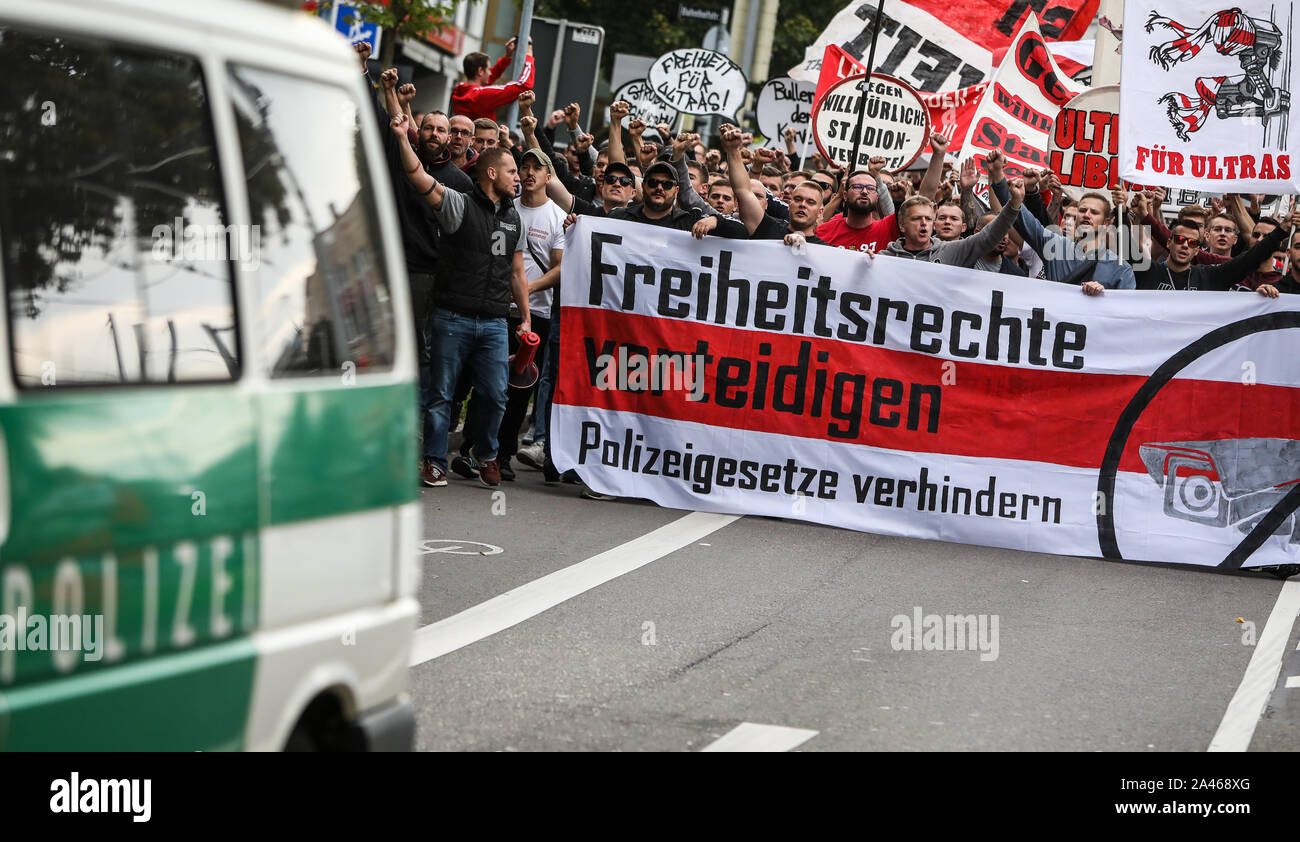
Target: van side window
x=117 y=259
x=323 y=305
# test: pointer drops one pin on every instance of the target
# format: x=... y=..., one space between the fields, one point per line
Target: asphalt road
x=783 y=623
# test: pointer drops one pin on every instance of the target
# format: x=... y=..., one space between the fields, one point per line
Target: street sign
x=684 y=11
x=347 y=19
x=566 y=59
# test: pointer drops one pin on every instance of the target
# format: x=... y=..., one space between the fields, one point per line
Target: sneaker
x=550 y=474
x=489 y=473
x=507 y=472
x=466 y=466
x=534 y=455
x=431 y=475
x=589 y=494
x=570 y=477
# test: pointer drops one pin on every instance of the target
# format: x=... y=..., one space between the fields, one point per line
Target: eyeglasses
x=826 y=185
x=663 y=183
x=465 y=132
x=1181 y=240
x=620 y=180
x=857 y=188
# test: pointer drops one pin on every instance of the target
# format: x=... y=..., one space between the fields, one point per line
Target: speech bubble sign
x=784 y=103
x=698 y=81
x=645 y=105
x=896 y=123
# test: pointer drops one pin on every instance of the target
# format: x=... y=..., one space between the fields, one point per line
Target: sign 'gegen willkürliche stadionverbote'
x=895 y=123
x=916 y=399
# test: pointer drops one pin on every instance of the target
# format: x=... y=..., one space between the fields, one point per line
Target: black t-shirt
x=682 y=220
x=771 y=228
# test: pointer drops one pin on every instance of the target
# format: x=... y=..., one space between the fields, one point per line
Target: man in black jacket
x=481 y=269
x=1178 y=272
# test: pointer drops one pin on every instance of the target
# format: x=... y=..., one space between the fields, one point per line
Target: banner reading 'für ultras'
x=1205 y=96
x=916 y=399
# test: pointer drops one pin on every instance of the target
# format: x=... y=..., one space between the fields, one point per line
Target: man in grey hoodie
x=916 y=222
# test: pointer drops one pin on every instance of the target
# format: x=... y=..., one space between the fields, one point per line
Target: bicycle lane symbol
x=455 y=547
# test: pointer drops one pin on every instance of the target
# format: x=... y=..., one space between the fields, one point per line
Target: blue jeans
x=479 y=345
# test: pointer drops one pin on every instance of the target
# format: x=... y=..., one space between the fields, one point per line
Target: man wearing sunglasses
x=1177 y=271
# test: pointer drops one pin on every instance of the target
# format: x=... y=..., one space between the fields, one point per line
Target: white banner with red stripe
x=1205 y=96
x=936 y=45
x=915 y=399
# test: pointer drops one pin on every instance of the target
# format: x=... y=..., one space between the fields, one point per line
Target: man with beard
x=417 y=220
x=866 y=193
x=481 y=272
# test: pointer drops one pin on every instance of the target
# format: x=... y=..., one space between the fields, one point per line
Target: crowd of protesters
x=483 y=207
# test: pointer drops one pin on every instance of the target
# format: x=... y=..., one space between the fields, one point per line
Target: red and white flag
x=911 y=398
x=1017 y=111
x=937 y=45
x=1205 y=96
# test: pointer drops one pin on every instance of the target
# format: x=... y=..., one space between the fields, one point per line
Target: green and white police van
x=208 y=517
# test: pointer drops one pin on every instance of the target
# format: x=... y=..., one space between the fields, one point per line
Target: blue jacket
x=1065 y=255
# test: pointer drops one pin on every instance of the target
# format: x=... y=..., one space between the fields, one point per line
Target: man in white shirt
x=543 y=236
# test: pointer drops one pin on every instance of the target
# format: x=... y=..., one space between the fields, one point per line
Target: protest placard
x=784 y=104
x=698 y=81
x=644 y=104
x=896 y=123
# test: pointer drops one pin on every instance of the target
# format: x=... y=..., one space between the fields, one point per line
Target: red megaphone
x=523 y=371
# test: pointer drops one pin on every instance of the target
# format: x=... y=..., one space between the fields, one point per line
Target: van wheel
x=323 y=727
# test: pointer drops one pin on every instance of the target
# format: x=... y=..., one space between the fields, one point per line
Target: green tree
x=797 y=26
x=650 y=28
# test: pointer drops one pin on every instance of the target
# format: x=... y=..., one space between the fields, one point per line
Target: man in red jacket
x=478 y=96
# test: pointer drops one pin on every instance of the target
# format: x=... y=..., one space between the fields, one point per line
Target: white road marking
x=431 y=545
x=1247 y=705
x=1292 y=681
x=750 y=736
x=515 y=606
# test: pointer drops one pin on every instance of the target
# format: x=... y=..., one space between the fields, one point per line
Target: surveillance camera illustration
x=1226 y=483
